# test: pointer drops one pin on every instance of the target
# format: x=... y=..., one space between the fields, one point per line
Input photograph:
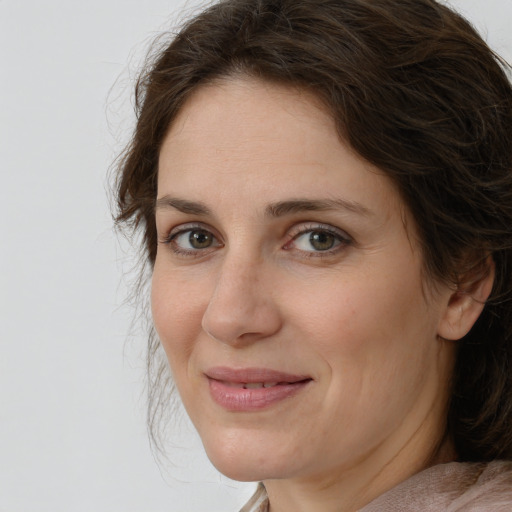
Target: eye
x=194 y=239
x=191 y=240
x=318 y=239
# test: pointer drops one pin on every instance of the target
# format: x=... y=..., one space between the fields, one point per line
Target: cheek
x=378 y=346
x=177 y=313
x=369 y=325
x=347 y=314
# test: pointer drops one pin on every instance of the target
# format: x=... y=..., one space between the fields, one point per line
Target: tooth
x=233 y=384
x=269 y=384
x=253 y=385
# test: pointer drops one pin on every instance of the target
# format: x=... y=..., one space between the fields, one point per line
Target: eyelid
x=182 y=229
x=305 y=227
x=342 y=237
x=297 y=231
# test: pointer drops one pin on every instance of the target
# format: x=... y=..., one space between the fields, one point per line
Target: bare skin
x=281 y=250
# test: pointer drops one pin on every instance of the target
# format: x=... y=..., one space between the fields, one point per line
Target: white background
x=72 y=433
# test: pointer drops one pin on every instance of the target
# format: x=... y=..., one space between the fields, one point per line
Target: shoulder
x=454 y=487
x=490 y=489
x=258 y=502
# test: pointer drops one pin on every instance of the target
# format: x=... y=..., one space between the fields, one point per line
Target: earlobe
x=466 y=303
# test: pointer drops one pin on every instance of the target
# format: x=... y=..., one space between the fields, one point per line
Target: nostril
x=237 y=315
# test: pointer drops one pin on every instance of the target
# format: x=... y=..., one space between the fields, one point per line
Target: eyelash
x=341 y=240
x=170 y=239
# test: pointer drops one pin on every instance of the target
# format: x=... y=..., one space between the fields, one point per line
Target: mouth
x=252 y=385
x=252 y=389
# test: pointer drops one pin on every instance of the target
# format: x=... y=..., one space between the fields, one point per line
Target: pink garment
x=453 y=487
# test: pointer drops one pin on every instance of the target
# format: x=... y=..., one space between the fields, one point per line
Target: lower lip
x=247 y=400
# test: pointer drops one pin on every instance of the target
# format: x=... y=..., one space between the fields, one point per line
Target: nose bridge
x=241 y=305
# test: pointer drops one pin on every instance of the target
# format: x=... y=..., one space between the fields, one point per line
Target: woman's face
x=288 y=292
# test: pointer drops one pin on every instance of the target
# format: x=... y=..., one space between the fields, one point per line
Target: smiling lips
x=252 y=389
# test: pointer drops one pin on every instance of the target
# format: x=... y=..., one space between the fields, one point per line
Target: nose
x=242 y=308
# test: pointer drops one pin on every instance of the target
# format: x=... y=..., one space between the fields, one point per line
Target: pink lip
x=227 y=387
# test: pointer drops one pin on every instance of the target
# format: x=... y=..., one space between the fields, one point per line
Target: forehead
x=251 y=142
x=235 y=117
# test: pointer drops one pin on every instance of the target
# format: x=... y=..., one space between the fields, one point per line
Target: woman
x=324 y=189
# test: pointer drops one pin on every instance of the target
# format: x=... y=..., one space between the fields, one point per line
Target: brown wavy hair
x=415 y=91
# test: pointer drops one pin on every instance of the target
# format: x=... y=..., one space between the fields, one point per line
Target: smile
x=252 y=385
x=252 y=389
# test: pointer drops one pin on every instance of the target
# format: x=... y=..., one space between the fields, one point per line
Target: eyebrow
x=315 y=205
x=182 y=205
x=278 y=209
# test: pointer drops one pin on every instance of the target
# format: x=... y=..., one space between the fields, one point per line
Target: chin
x=245 y=463
x=242 y=472
x=238 y=468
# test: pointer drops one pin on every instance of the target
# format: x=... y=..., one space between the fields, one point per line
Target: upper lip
x=252 y=375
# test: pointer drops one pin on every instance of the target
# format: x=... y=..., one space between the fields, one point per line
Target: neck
x=349 y=489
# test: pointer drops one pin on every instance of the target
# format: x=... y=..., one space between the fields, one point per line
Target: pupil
x=200 y=239
x=321 y=240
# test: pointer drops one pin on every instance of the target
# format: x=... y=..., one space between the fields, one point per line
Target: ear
x=467 y=302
